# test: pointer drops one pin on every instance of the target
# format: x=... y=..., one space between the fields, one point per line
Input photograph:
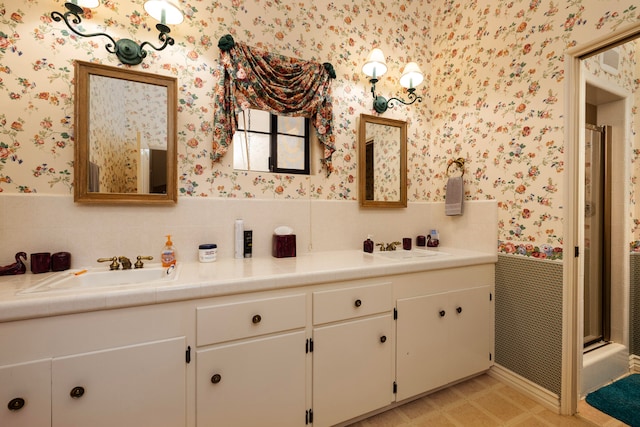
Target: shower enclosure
x=597 y=232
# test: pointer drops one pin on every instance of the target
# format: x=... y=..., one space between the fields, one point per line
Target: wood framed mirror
x=382 y=162
x=125 y=145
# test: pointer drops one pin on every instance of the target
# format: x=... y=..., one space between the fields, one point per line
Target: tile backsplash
x=36 y=223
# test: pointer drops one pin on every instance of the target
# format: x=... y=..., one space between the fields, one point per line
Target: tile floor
x=483 y=401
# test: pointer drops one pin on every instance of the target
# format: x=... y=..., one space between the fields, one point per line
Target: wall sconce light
x=376 y=67
x=127 y=51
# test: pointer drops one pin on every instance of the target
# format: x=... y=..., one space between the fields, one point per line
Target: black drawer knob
x=256 y=319
x=459 y=310
x=77 y=392
x=442 y=313
x=383 y=339
x=358 y=303
x=16 y=404
x=216 y=378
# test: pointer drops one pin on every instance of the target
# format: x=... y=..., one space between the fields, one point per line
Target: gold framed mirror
x=382 y=162
x=125 y=145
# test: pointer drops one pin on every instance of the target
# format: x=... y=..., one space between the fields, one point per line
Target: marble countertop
x=222 y=277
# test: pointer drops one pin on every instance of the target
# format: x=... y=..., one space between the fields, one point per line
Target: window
x=270 y=143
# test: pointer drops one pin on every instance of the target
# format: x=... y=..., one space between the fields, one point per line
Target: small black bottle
x=367 y=245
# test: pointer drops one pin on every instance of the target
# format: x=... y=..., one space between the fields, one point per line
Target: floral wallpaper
x=635 y=160
x=497 y=99
x=493 y=94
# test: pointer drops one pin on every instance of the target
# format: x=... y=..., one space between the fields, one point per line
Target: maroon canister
x=40 y=262
x=60 y=261
x=406 y=243
x=284 y=246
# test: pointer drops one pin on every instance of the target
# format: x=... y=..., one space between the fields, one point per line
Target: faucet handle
x=114 y=262
x=139 y=263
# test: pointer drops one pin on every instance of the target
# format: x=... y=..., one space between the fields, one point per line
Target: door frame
x=574 y=266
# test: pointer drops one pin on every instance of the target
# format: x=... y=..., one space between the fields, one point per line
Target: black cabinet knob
x=256 y=319
x=16 y=404
x=442 y=313
x=383 y=339
x=216 y=378
x=77 y=392
x=459 y=310
x=358 y=303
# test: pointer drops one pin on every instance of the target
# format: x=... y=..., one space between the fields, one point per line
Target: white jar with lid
x=207 y=252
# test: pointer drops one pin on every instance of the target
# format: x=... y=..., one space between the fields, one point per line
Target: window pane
x=256 y=120
x=290 y=152
x=253 y=157
x=291 y=125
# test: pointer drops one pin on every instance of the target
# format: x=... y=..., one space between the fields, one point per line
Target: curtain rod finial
x=226 y=43
x=332 y=73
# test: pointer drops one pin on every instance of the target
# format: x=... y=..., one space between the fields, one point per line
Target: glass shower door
x=597 y=237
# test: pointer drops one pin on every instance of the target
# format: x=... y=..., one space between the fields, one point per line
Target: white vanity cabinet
x=25 y=394
x=135 y=385
x=445 y=336
x=317 y=354
x=352 y=352
x=110 y=368
x=251 y=362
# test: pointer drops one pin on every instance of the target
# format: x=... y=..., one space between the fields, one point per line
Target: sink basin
x=93 y=278
x=414 y=253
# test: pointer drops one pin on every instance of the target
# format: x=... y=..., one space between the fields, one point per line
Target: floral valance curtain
x=251 y=77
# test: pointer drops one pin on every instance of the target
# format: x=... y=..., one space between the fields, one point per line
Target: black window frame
x=273 y=145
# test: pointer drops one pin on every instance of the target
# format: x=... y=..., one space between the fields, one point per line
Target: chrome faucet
x=114 y=262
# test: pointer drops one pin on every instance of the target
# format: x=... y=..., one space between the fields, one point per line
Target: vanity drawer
x=347 y=303
x=227 y=322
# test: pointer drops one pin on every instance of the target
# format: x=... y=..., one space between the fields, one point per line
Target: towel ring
x=458 y=162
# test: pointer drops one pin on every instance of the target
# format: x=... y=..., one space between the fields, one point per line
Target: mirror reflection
x=383 y=163
x=127 y=136
x=125 y=149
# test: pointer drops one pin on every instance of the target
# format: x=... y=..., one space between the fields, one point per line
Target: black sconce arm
x=75 y=11
x=411 y=95
x=163 y=37
x=381 y=104
x=127 y=51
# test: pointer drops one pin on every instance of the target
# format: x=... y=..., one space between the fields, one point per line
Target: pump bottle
x=168 y=255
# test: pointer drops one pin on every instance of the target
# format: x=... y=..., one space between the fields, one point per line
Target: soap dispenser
x=168 y=255
x=367 y=245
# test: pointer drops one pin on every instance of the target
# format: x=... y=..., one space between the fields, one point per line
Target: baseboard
x=541 y=395
x=634 y=363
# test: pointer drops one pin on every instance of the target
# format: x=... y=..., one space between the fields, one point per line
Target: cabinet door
x=421 y=358
x=352 y=369
x=471 y=332
x=138 y=385
x=260 y=382
x=442 y=338
x=25 y=394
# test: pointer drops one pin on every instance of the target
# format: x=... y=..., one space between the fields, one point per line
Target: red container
x=284 y=246
x=40 y=262
x=60 y=261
